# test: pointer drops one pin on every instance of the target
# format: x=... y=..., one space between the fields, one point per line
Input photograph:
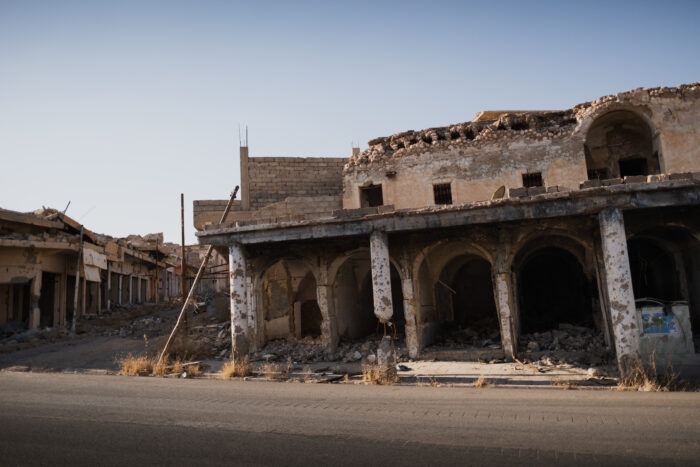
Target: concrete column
x=504 y=295
x=502 y=286
x=618 y=284
x=108 y=289
x=409 y=311
x=98 y=308
x=239 y=309
x=120 y=288
x=34 y=295
x=381 y=276
x=329 y=325
x=131 y=289
x=138 y=290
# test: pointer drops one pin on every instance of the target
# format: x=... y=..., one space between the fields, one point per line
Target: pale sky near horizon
x=118 y=107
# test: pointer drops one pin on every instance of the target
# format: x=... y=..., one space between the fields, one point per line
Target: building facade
x=481 y=234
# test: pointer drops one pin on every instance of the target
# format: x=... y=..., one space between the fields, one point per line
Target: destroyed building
x=518 y=231
x=39 y=261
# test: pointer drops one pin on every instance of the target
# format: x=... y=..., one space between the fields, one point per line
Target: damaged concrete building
x=39 y=261
x=517 y=232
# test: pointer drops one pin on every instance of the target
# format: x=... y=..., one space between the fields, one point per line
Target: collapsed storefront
x=516 y=233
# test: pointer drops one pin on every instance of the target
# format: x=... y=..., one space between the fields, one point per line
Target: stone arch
x=350 y=278
x=621 y=141
x=554 y=285
x=454 y=295
x=284 y=288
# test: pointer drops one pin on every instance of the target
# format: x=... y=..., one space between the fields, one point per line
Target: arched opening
x=456 y=304
x=621 y=143
x=290 y=309
x=308 y=317
x=553 y=290
x=354 y=301
x=465 y=303
x=665 y=268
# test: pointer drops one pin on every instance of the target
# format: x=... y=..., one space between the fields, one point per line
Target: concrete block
x=536 y=190
x=590 y=184
x=635 y=179
x=611 y=181
x=517 y=192
x=681 y=176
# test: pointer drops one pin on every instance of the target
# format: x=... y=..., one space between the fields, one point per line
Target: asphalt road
x=64 y=419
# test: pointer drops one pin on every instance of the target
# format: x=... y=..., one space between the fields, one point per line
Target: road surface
x=67 y=419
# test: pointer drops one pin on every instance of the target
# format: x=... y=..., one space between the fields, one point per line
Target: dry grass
x=564 y=383
x=306 y=375
x=133 y=366
x=193 y=370
x=482 y=382
x=371 y=374
x=233 y=370
x=275 y=371
x=649 y=379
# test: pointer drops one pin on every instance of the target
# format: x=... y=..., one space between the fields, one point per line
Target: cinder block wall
x=273 y=179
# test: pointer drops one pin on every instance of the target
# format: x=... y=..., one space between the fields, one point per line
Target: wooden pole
x=195 y=283
x=157 y=284
x=183 y=263
x=77 y=282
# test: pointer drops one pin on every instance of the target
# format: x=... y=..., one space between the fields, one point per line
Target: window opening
x=442 y=192
x=532 y=179
x=634 y=166
x=371 y=196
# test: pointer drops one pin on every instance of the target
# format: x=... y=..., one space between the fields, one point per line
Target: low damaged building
x=516 y=232
x=39 y=264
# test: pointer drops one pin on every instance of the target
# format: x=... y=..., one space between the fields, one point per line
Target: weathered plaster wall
x=477 y=158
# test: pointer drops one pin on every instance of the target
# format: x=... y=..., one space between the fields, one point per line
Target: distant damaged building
x=517 y=232
x=39 y=270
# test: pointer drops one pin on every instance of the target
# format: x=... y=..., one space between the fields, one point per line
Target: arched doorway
x=553 y=290
x=307 y=314
x=354 y=301
x=465 y=303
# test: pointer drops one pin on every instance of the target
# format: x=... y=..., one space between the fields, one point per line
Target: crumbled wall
x=479 y=157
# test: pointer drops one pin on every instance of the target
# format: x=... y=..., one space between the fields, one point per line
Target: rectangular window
x=371 y=196
x=532 y=179
x=442 y=192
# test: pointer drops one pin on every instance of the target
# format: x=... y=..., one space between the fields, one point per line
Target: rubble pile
x=310 y=350
x=567 y=338
x=468 y=337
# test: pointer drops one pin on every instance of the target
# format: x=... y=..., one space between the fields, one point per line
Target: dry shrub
x=239 y=370
x=482 y=382
x=132 y=366
x=274 y=371
x=563 y=383
x=648 y=379
x=306 y=375
x=160 y=368
x=193 y=370
x=372 y=374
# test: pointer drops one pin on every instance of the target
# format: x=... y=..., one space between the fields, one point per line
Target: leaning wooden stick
x=195 y=283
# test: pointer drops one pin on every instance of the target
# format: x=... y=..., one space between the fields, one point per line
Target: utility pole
x=183 y=263
x=77 y=281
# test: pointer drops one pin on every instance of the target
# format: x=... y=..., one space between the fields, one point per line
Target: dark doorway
x=653 y=269
x=47 y=299
x=553 y=289
x=371 y=196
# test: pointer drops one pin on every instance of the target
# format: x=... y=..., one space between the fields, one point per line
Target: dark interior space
x=553 y=290
x=46 y=301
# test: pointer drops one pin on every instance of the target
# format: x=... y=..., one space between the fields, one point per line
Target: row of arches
x=554 y=281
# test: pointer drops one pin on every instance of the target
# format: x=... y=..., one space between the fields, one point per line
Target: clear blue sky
x=121 y=106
